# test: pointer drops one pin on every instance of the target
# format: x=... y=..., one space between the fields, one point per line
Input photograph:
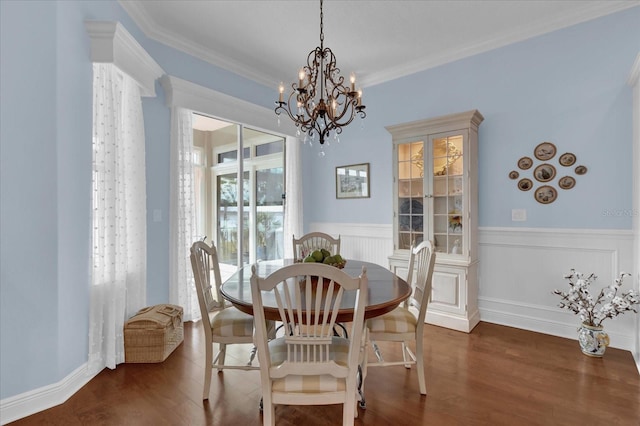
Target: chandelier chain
x=321 y=26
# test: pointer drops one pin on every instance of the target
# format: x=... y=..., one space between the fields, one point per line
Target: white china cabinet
x=435 y=197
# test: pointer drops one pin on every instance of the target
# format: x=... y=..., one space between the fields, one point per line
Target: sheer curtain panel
x=119 y=257
x=293 y=200
x=182 y=289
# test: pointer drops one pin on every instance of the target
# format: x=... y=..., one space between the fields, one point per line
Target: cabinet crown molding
x=438 y=124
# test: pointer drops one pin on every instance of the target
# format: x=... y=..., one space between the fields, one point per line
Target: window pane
x=269 y=148
x=269 y=213
x=226 y=157
x=227 y=191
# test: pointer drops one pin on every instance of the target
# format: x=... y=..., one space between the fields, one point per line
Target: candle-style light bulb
x=353 y=81
x=301 y=75
x=281 y=90
x=359 y=97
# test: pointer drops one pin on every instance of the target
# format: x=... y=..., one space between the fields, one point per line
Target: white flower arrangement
x=607 y=305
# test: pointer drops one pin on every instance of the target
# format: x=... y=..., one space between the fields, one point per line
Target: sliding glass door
x=248 y=228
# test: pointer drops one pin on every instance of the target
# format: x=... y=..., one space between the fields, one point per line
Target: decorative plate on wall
x=544 y=172
x=545 y=151
x=567 y=159
x=566 y=182
x=580 y=170
x=538 y=173
x=546 y=194
x=525 y=163
x=525 y=184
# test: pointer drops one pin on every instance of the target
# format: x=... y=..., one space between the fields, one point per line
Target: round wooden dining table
x=386 y=290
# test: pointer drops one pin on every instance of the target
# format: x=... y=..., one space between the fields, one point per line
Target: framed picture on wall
x=352 y=181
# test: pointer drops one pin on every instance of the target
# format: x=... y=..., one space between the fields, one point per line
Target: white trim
x=155 y=31
x=112 y=43
x=537 y=318
x=185 y=94
x=368 y=230
x=34 y=401
x=522 y=33
x=634 y=82
x=532 y=307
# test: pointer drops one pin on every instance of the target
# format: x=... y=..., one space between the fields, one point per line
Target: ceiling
x=268 y=41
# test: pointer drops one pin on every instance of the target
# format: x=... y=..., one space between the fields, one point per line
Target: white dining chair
x=406 y=323
x=305 y=245
x=309 y=365
x=222 y=323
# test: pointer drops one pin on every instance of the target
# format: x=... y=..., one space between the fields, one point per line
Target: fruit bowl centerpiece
x=324 y=256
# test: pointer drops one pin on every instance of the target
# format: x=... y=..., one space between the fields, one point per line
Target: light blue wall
x=567 y=87
x=28 y=190
x=45 y=184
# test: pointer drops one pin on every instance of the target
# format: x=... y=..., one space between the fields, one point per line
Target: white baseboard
x=28 y=403
x=542 y=320
x=454 y=322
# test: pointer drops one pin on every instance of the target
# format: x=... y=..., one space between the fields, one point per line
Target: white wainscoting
x=519 y=268
x=369 y=242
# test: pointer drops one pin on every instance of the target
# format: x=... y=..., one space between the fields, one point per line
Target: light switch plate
x=518 y=215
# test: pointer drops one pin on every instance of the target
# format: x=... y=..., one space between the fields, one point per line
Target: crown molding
x=112 y=43
x=154 y=30
x=596 y=11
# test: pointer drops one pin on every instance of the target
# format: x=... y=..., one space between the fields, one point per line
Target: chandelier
x=321 y=102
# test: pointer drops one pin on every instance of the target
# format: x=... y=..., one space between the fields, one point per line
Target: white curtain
x=182 y=215
x=293 y=201
x=119 y=257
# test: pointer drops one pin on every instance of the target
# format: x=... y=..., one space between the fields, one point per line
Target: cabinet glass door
x=447 y=156
x=410 y=194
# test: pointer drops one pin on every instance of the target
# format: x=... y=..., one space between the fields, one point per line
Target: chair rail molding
x=112 y=43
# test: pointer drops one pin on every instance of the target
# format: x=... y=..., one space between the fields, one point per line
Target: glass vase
x=593 y=341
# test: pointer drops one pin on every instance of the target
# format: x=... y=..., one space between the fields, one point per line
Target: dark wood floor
x=493 y=376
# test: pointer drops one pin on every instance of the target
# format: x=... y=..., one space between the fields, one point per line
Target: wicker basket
x=153 y=333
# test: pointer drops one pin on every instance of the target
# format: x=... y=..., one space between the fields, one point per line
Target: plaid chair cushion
x=231 y=322
x=309 y=384
x=400 y=320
